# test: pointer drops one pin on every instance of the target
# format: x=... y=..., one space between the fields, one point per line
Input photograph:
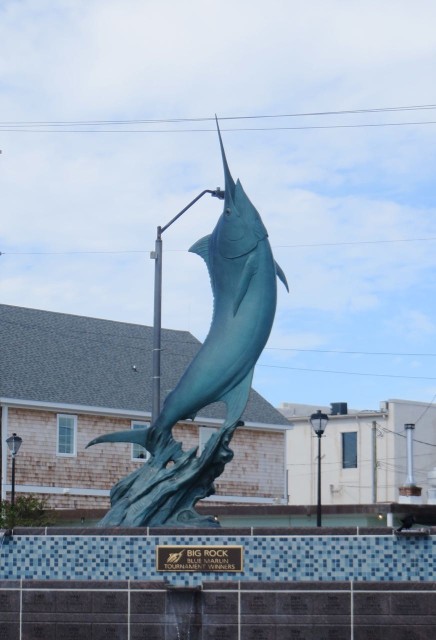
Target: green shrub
x=28 y=511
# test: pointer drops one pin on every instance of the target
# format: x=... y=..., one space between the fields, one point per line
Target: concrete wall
x=216 y=611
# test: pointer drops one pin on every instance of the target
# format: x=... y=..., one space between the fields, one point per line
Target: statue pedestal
x=294 y=584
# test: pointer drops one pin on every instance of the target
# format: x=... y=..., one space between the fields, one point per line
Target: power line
x=234 y=129
x=68 y=253
x=286 y=246
x=336 y=244
x=348 y=373
x=402 y=435
x=360 y=353
x=100 y=338
x=426 y=409
x=102 y=335
x=60 y=123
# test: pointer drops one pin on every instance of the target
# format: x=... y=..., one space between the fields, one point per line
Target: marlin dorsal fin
x=201 y=248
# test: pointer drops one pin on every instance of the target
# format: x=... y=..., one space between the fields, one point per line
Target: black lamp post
x=157 y=327
x=319 y=421
x=14 y=443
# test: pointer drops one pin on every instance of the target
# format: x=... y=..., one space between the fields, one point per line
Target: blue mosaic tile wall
x=266 y=558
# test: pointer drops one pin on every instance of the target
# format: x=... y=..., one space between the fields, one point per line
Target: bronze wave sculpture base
x=159 y=494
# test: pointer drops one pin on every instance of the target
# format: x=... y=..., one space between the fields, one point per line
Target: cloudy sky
x=328 y=114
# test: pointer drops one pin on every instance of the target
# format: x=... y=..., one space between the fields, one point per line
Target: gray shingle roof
x=68 y=359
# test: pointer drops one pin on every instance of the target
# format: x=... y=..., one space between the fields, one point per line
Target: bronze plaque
x=199 y=558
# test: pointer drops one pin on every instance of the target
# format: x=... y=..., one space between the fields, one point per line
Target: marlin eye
x=228 y=211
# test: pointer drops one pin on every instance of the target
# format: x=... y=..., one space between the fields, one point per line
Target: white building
x=363 y=454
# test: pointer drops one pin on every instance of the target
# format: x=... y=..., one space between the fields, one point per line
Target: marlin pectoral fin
x=135 y=436
x=249 y=271
x=236 y=399
x=281 y=276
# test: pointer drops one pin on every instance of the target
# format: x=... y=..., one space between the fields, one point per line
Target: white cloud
x=92 y=60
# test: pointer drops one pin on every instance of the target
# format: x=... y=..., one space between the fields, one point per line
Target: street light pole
x=319 y=421
x=13 y=482
x=157 y=324
x=156 y=255
x=14 y=443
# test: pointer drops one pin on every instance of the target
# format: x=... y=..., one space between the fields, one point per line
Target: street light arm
x=215 y=193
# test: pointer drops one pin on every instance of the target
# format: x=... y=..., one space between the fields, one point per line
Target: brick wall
x=256 y=470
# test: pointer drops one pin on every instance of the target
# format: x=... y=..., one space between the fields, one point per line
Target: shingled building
x=66 y=379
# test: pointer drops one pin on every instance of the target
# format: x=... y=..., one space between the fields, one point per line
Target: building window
x=204 y=435
x=67 y=435
x=349 y=450
x=138 y=452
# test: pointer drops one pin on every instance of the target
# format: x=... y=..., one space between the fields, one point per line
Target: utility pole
x=156 y=255
x=374 y=461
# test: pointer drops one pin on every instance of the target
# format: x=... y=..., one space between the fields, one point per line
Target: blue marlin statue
x=243 y=275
